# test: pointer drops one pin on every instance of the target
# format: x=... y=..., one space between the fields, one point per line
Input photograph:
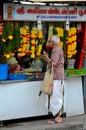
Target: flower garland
x=71 y=43
x=25 y=41
x=40 y=43
x=33 y=42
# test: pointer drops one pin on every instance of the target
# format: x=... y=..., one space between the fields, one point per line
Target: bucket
x=3 y=71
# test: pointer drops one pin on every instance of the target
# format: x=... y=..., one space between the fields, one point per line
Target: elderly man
x=57 y=58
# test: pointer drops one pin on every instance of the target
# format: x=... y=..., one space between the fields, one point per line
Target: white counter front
x=20 y=99
x=73 y=96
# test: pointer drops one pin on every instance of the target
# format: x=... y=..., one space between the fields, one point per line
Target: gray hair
x=55 y=39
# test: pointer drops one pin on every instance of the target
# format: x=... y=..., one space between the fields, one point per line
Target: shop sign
x=20 y=12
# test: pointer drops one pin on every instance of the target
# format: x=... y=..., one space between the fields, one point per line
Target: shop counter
x=19 y=99
x=73 y=96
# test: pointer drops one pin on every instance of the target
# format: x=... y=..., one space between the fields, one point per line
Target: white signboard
x=20 y=12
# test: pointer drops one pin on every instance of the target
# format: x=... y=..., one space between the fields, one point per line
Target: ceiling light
x=60 y=4
x=35 y=3
x=39 y=3
x=25 y=2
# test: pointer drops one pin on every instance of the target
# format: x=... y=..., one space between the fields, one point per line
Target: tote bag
x=47 y=83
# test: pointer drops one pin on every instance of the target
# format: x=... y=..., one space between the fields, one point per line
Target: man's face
x=50 y=43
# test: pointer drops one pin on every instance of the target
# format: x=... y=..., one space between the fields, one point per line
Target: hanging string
x=67 y=21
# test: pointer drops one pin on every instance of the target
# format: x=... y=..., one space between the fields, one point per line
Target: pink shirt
x=58 y=56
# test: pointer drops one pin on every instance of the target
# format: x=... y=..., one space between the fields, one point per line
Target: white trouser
x=56 y=99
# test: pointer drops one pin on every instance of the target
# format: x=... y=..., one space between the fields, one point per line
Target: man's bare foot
x=56 y=120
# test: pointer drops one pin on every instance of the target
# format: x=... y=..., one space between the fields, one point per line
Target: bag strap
x=51 y=67
x=47 y=67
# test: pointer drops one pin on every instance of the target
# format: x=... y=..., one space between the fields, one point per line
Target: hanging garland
x=25 y=41
x=71 y=45
x=33 y=42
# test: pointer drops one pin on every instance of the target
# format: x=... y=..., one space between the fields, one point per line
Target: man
x=57 y=58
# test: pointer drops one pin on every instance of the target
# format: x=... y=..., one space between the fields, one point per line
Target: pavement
x=77 y=122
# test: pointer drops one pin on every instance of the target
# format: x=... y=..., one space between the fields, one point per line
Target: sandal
x=51 y=121
x=56 y=120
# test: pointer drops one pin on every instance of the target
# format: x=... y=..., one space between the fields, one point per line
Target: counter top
x=17 y=81
x=68 y=73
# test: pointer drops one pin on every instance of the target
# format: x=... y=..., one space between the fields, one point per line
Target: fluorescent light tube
x=35 y=3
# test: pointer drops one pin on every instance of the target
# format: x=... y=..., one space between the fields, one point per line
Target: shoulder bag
x=47 y=83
